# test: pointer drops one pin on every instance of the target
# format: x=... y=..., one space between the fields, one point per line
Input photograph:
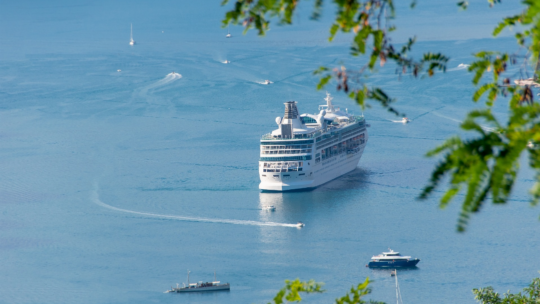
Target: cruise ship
x=308 y=150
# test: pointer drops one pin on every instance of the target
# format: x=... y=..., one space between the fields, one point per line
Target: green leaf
x=333 y=30
x=323 y=81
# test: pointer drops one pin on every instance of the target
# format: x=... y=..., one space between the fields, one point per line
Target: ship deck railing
x=328 y=131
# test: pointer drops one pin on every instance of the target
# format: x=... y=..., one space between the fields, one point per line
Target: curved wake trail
x=168 y=79
x=97 y=201
x=485 y=128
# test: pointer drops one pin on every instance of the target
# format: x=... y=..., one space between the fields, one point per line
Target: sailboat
x=131 y=41
x=228 y=33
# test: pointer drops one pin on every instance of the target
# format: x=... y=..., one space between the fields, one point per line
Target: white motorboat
x=266 y=81
x=405 y=120
x=200 y=286
x=392 y=259
x=131 y=41
x=269 y=208
x=228 y=33
x=300 y=224
x=226 y=62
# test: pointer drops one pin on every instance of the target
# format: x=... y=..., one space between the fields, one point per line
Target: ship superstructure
x=309 y=150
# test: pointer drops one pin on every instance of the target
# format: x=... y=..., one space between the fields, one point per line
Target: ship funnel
x=291 y=111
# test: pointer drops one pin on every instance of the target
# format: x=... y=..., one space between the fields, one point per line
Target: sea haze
x=118 y=175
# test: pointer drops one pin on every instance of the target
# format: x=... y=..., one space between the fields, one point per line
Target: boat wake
x=97 y=201
x=168 y=79
x=485 y=128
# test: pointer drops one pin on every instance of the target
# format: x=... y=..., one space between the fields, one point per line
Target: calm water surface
x=115 y=183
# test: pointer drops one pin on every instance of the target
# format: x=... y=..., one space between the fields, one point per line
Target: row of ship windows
x=331 y=134
x=285 y=158
x=350 y=132
x=348 y=146
x=331 y=141
x=283 y=164
x=285 y=147
x=284 y=175
x=283 y=170
x=264 y=175
x=287 y=151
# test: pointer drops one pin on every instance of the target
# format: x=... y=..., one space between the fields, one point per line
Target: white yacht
x=228 y=33
x=392 y=259
x=309 y=150
x=131 y=41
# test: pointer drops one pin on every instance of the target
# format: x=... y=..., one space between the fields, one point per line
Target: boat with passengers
x=200 y=286
x=392 y=259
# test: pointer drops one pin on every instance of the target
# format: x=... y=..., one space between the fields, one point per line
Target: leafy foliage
x=483 y=165
x=369 y=20
x=357 y=293
x=487 y=165
x=530 y=295
x=291 y=292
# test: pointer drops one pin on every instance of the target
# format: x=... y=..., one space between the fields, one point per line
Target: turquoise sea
x=118 y=176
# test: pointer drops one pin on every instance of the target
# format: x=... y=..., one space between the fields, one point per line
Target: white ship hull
x=320 y=173
x=307 y=150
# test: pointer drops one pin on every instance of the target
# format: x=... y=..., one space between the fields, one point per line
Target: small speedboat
x=405 y=120
x=266 y=81
x=300 y=224
x=269 y=208
x=226 y=62
x=392 y=259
